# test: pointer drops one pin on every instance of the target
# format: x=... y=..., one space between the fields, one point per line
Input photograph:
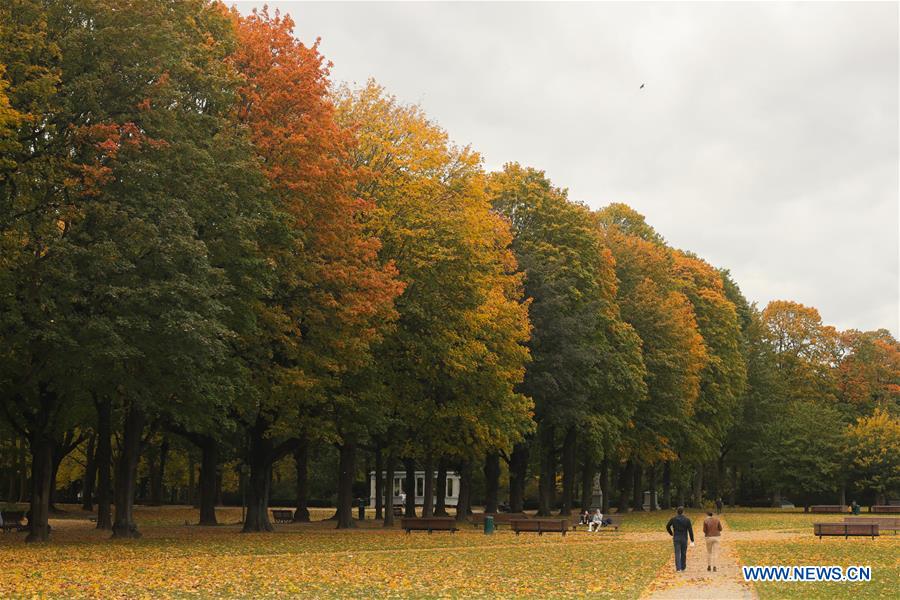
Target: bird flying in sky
x=642 y=87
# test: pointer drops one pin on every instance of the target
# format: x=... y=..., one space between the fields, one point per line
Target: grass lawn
x=882 y=554
x=775 y=519
x=313 y=560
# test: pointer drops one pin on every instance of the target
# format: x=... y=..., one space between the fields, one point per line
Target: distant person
x=719 y=505
x=585 y=518
x=680 y=528
x=712 y=531
x=596 y=521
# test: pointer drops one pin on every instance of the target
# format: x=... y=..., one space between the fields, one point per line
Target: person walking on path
x=679 y=527
x=719 y=505
x=712 y=531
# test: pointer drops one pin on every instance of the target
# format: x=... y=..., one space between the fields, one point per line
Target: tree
x=724 y=375
x=653 y=302
x=802 y=453
x=331 y=298
x=873 y=445
x=586 y=370
x=457 y=352
x=868 y=376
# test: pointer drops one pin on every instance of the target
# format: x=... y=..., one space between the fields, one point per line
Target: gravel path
x=696 y=583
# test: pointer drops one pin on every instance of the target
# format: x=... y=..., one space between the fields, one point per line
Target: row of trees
x=201 y=237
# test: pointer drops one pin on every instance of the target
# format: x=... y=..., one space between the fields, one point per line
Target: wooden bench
x=884 y=523
x=540 y=525
x=282 y=515
x=886 y=508
x=478 y=518
x=12 y=520
x=429 y=524
x=827 y=508
x=846 y=529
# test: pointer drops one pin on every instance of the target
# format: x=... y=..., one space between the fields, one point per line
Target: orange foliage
x=284 y=102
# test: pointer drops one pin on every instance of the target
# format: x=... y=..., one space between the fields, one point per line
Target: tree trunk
x=698 y=487
x=428 y=501
x=346 y=474
x=104 y=460
x=604 y=485
x=41 y=467
x=209 y=478
x=193 y=498
x=440 y=507
x=90 y=475
x=389 y=466
x=126 y=474
x=652 y=474
x=776 y=498
x=518 y=465
x=491 y=481
x=570 y=466
x=667 y=485
x=158 y=474
x=465 y=491
x=409 y=487
x=379 y=484
x=23 y=471
x=60 y=450
x=260 y=457
x=720 y=476
x=547 y=484
x=843 y=494
x=625 y=483
x=637 y=498
x=587 y=484
x=301 y=458
x=732 y=497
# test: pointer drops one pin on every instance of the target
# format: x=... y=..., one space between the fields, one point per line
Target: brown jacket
x=712 y=527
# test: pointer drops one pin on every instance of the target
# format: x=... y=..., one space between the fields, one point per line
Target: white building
x=398 y=486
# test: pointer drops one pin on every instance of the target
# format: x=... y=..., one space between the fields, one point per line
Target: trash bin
x=362 y=509
x=488 y=524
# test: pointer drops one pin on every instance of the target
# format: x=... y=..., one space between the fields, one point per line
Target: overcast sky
x=765 y=139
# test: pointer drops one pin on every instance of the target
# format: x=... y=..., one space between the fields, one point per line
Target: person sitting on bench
x=597 y=521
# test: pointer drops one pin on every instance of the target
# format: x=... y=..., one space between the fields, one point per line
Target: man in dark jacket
x=679 y=527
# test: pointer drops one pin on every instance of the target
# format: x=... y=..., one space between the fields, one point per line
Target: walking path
x=696 y=583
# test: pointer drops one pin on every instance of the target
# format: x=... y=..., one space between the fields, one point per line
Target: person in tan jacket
x=712 y=530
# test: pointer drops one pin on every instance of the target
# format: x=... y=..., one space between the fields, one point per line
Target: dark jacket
x=679 y=527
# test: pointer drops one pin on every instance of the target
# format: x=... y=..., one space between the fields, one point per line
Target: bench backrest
x=12 y=516
x=845 y=528
x=883 y=522
x=827 y=508
x=426 y=522
x=886 y=508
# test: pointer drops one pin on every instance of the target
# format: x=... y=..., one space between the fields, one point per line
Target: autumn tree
x=586 y=370
x=331 y=298
x=868 y=375
x=457 y=352
x=873 y=445
x=724 y=374
x=653 y=302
